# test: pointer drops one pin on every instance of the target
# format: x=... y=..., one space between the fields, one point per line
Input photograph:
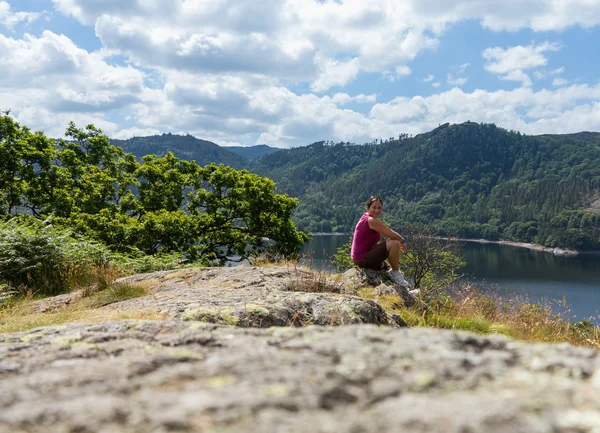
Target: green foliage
x=160 y=205
x=40 y=258
x=469 y=180
x=341 y=258
x=431 y=262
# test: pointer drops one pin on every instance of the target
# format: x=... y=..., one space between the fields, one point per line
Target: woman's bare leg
x=393 y=248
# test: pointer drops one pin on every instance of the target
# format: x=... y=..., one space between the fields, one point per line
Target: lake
x=511 y=270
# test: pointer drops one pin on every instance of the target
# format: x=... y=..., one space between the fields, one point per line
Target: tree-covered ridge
x=162 y=204
x=470 y=180
x=182 y=146
x=252 y=152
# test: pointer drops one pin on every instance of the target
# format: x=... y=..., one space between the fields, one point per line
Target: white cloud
x=510 y=63
x=324 y=43
x=403 y=71
x=344 y=98
x=518 y=75
x=363 y=99
x=124 y=134
x=503 y=61
x=545 y=74
x=512 y=15
x=456 y=81
x=503 y=108
x=557 y=82
x=334 y=73
x=9 y=19
x=461 y=68
x=237 y=71
x=49 y=80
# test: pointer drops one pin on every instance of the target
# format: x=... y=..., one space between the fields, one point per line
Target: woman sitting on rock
x=368 y=252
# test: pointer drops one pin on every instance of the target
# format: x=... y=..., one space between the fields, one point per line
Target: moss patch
x=201 y=314
x=257 y=309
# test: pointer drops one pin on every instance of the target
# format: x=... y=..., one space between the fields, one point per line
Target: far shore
x=552 y=250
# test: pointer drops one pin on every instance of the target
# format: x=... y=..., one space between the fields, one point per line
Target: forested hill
x=183 y=146
x=470 y=180
x=252 y=152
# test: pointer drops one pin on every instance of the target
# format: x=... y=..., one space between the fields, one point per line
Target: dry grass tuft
x=20 y=316
x=472 y=309
x=311 y=281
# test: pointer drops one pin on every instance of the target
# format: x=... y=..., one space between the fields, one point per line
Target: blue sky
x=290 y=72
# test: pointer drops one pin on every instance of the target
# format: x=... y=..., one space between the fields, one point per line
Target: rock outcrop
x=195 y=372
x=173 y=376
x=254 y=297
x=355 y=278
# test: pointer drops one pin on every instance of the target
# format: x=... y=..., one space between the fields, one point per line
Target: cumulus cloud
x=510 y=63
x=334 y=73
x=241 y=71
x=10 y=19
x=57 y=81
x=344 y=98
x=327 y=43
x=513 y=15
x=505 y=108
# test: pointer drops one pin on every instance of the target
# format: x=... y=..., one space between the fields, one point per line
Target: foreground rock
x=172 y=376
x=254 y=297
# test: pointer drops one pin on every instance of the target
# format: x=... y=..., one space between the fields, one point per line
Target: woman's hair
x=373 y=199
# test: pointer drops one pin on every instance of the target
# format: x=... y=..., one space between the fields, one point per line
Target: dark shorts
x=375 y=257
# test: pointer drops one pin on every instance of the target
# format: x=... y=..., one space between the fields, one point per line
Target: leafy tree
x=162 y=204
x=431 y=262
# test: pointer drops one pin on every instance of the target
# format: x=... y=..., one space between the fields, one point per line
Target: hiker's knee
x=392 y=244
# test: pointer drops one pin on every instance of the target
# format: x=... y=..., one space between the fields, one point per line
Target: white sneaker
x=398 y=278
x=414 y=292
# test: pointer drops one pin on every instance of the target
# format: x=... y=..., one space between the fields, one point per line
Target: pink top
x=364 y=239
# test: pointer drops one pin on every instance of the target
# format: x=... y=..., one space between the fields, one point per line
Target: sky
x=291 y=72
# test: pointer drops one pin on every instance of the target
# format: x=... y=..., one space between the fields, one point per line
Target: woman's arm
x=381 y=228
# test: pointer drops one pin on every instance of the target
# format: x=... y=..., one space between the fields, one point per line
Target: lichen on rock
x=161 y=376
x=255 y=297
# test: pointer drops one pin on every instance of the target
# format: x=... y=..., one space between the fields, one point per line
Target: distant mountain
x=184 y=147
x=470 y=180
x=252 y=152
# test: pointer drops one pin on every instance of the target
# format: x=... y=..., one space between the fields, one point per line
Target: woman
x=368 y=253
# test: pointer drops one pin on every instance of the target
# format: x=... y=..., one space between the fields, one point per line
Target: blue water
x=538 y=276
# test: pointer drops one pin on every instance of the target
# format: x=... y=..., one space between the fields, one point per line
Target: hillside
x=470 y=180
x=183 y=146
x=252 y=152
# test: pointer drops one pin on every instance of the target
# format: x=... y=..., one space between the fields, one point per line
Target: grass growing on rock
x=20 y=315
x=471 y=309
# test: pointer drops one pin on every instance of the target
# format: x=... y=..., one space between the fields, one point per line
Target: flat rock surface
x=253 y=297
x=174 y=376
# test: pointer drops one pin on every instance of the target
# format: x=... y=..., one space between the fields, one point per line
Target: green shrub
x=341 y=259
x=40 y=258
x=36 y=257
